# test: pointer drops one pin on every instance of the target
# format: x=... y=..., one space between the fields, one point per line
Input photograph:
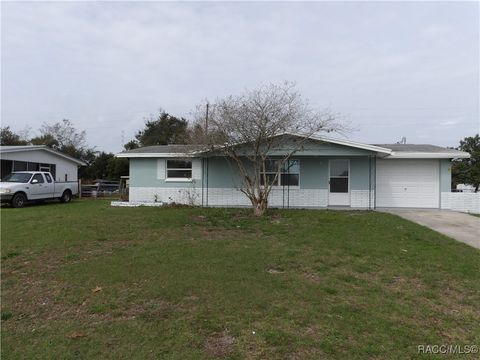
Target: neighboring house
x=325 y=172
x=39 y=158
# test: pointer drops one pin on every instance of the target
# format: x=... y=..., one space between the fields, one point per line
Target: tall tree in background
x=467 y=171
x=64 y=137
x=249 y=130
x=8 y=137
x=105 y=166
x=117 y=167
x=47 y=139
x=165 y=129
x=132 y=144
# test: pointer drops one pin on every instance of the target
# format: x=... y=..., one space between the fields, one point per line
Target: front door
x=339 y=182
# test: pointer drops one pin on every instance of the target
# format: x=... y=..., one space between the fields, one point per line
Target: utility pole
x=206 y=119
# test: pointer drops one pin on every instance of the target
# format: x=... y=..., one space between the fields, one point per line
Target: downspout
x=375 y=183
x=440 y=183
x=207 y=184
x=369 y=182
x=203 y=175
x=288 y=185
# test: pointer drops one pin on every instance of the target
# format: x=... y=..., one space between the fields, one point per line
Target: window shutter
x=161 y=169
x=196 y=169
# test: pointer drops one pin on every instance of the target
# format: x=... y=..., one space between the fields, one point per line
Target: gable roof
x=423 y=151
x=164 y=151
x=23 y=148
x=193 y=150
x=350 y=143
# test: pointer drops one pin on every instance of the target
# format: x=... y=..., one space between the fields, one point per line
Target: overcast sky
x=392 y=69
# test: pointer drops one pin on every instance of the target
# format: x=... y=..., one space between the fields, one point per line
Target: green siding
x=445 y=175
x=143 y=173
x=359 y=173
x=223 y=173
x=316 y=148
x=313 y=173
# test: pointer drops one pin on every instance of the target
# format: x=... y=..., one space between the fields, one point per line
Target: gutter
x=156 y=155
x=429 y=155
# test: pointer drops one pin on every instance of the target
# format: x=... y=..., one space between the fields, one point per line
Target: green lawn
x=192 y=283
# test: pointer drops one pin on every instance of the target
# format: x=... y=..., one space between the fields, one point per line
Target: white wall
x=359 y=199
x=229 y=197
x=461 y=201
x=63 y=166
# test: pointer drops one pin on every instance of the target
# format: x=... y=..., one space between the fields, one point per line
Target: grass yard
x=86 y=281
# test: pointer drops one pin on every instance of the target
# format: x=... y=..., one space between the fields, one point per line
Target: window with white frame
x=286 y=175
x=179 y=169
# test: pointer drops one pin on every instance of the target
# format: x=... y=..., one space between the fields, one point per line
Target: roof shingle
x=166 y=149
x=423 y=148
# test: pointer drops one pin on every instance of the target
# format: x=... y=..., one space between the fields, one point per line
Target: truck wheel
x=66 y=196
x=19 y=200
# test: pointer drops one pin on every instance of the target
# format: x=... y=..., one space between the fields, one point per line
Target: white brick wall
x=359 y=199
x=301 y=198
x=179 y=195
x=229 y=196
x=465 y=202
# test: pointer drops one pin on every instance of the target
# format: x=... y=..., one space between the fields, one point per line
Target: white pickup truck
x=20 y=187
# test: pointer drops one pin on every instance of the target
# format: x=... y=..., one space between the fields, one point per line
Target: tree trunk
x=259 y=207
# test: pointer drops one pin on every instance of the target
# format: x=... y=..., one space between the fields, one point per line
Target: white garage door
x=408 y=183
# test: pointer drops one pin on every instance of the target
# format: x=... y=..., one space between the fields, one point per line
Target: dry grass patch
x=219 y=345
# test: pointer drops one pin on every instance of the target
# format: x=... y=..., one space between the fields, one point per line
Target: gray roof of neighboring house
x=5 y=149
x=20 y=147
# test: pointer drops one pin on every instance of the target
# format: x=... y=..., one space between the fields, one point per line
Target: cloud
x=451 y=122
x=107 y=65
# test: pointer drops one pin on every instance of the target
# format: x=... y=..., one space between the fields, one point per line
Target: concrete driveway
x=459 y=226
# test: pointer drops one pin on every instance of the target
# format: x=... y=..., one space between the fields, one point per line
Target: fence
x=461 y=201
x=99 y=189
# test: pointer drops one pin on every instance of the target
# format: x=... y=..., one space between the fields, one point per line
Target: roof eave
x=428 y=155
x=154 y=155
x=23 y=148
x=350 y=143
x=46 y=148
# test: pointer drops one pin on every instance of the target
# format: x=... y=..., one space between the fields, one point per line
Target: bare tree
x=64 y=134
x=252 y=129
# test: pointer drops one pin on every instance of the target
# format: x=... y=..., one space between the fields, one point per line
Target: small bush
x=9 y=255
x=6 y=315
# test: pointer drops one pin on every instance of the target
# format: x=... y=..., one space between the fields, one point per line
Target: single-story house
x=39 y=158
x=325 y=172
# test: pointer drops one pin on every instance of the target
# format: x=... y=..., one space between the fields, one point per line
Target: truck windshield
x=17 y=177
